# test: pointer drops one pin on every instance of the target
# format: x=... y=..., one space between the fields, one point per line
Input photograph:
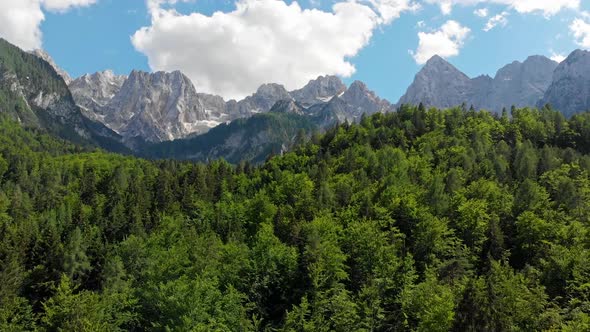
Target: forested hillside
x=252 y=139
x=33 y=94
x=419 y=220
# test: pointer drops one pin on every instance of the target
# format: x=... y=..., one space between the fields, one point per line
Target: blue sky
x=98 y=37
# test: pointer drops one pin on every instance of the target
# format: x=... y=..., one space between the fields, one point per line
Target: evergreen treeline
x=420 y=220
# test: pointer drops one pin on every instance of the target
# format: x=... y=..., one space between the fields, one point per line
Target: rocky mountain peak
x=349 y=105
x=357 y=87
x=356 y=92
x=271 y=90
x=94 y=91
x=106 y=76
x=261 y=101
x=439 y=66
x=576 y=64
x=520 y=83
x=577 y=54
x=321 y=89
x=288 y=106
x=442 y=85
x=436 y=60
x=157 y=107
x=438 y=84
x=569 y=91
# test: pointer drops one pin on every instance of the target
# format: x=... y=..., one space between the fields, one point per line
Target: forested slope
x=36 y=96
x=252 y=139
x=421 y=220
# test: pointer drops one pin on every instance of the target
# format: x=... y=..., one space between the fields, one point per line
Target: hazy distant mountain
x=521 y=84
x=440 y=84
x=569 y=91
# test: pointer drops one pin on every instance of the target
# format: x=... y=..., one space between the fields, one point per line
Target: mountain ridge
x=569 y=91
x=440 y=84
x=142 y=106
x=36 y=95
x=150 y=108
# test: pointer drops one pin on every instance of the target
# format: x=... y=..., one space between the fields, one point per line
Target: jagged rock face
x=156 y=107
x=36 y=95
x=349 y=106
x=212 y=103
x=260 y=102
x=93 y=92
x=288 y=106
x=570 y=89
x=481 y=91
x=361 y=100
x=438 y=84
x=165 y=106
x=215 y=108
x=331 y=113
x=45 y=56
x=521 y=84
x=319 y=90
x=42 y=90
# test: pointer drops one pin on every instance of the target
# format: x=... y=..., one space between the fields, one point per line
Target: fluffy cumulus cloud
x=496 y=20
x=445 y=42
x=545 y=7
x=481 y=12
x=19 y=22
x=20 y=19
x=390 y=10
x=261 y=41
x=581 y=31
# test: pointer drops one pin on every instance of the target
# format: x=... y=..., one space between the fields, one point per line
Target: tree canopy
x=418 y=220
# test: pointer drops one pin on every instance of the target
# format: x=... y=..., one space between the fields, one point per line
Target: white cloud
x=581 y=31
x=20 y=20
x=481 y=12
x=497 y=20
x=557 y=57
x=64 y=5
x=445 y=6
x=445 y=42
x=545 y=7
x=390 y=10
x=261 y=41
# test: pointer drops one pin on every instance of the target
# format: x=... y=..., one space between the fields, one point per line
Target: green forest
x=417 y=220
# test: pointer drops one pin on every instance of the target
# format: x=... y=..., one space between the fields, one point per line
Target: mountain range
x=163 y=115
x=440 y=84
x=158 y=107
